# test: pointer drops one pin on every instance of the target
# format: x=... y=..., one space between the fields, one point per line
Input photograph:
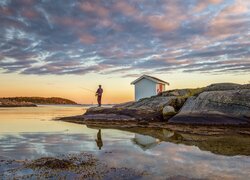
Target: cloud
x=232 y=20
x=124 y=37
x=87 y=39
x=202 y=5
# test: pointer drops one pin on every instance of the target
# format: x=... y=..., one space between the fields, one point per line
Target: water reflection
x=160 y=152
x=228 y=144
x=145 y=142
x=98 y=141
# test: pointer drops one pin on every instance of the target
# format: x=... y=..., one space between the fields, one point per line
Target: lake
x=30 y=133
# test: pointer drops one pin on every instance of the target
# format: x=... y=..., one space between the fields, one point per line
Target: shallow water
x=30 y=133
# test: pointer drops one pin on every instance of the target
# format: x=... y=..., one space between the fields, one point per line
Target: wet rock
x=168 y=112
x=231 y=107
x=107 y=117
x=142 y=122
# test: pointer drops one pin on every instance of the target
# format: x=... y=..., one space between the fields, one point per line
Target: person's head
x=100 y=86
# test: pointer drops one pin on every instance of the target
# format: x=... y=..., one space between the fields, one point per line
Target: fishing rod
x=86 y=89
x=89 y=90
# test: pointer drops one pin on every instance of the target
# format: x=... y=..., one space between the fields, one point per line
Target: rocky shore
x=13 y=103
x=217 y=104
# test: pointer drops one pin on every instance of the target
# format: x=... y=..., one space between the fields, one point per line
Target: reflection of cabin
x=145 y=142
x=147 y=86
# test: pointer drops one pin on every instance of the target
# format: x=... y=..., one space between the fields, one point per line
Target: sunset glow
x=66 y=49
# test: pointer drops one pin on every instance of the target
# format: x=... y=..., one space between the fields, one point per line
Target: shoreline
x=223 y=140
x=192 y=128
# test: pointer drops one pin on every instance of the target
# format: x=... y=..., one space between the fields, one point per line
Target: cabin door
x=159 y=88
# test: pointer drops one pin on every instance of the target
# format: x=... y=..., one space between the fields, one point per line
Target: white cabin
x=147 y=86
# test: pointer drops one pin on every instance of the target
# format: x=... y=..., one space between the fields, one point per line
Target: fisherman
x=99 y=95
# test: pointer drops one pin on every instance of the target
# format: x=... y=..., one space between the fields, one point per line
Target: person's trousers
x=99 y=100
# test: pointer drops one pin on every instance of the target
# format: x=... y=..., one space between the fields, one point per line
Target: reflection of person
x=99 y=139
x=99 y=95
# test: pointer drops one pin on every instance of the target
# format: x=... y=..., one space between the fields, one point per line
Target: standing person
x=99 y=95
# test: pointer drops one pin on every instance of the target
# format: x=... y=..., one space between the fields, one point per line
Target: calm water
x=29 y=133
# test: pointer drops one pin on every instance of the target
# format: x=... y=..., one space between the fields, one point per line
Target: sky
x=66 y=48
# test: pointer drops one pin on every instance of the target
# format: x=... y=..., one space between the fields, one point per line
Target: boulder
x=230 y=107
x=168 y=112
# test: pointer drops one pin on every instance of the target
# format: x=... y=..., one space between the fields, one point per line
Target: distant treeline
x=41 y=100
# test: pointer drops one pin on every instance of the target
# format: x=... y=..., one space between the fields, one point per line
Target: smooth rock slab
x=149 y=109
x=230 y=107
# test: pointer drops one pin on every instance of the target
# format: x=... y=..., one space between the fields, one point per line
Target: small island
x=216 y=104
x=32 y=101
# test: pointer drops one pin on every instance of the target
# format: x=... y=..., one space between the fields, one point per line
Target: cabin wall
x=145 y=88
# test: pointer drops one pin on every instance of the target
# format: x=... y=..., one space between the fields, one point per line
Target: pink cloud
x=168 y=21
x=94 y=8
x=203 y=4
x=126 y=8
x=28 y=2
x=239 y=7
x=163 y=23
x=87 y=38
x=228 y=21
x=6 y=11
x=69 y=21
x=30 y=14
